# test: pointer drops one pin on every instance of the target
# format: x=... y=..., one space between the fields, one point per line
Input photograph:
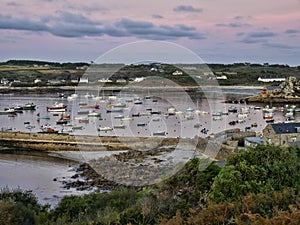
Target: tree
x=257 y=170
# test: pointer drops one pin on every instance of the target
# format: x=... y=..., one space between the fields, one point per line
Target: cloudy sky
x=219 y=31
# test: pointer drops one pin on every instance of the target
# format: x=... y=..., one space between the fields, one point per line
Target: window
x=293 y=139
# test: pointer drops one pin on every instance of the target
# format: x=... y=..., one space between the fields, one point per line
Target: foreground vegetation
x=257 y=186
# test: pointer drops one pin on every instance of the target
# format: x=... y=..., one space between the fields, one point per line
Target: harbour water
x=164 y=115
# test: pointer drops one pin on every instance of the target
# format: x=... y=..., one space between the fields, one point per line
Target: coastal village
x=145 y=139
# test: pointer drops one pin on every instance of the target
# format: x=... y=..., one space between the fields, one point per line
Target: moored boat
x=159 y=133
x=105 y=129
x=57 y=107
x=89 y=107
x=29 y=106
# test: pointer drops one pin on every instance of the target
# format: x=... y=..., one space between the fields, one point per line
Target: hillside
x=26 y=73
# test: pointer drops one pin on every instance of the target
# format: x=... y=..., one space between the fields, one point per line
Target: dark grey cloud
x=242 y=17
x=11 y=4
x=292 y=31
x=71 y=25
x=257 y=37
x=10 y=23
x=187 y=8
x=278 y=45
x=156 y=16
x=150 y=31
x=261 y=34
x=233 y=25
x=240 y=33
x=72 y=18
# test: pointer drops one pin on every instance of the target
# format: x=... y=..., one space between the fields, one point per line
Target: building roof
x=255 y=140
x=272 y=88
x=285 y=128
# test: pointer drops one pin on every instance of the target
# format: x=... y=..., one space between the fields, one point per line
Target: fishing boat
x=94 y=114
x=57 y=107
x=201 y=112
x=135 y=115
x=189 y=117
x=62 y=121
x=126 y=119
x=77 y=127
x=83 y=120
x=190 y=109
x=268 y=116
x=72 y=97
x=83 y=112
x=8 y=112
x=6 y=129
x=105 y=129
x=119 y=116
x=121 y=126
x=43 y=117
x=114 y=110
x=29 y=106
x=89 y=107
x=119 y=105
x=159 y=133
x=138 y=102
x=232 y=109
x=47 y=129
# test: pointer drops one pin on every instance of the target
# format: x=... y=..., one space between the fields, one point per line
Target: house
x=84 y=80
x=253 y=141
x=36 y=81
x=138 y=79
x=4 y=81
x=223 y=77
x=177 y=72
x=271 y=89
x=104 y=80
x=285 y=134
x=121 y=81
x=271 y=79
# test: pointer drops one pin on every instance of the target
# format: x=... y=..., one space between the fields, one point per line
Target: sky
x=218 y=31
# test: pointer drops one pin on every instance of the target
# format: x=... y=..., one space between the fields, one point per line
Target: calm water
x=37 y=172
x=42 y=174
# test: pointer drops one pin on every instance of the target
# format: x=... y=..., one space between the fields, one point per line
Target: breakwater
x=59 y=142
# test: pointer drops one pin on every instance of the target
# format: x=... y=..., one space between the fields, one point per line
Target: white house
x=84 y=80
x=223 y=77
x=138 y=79
x=37 y=81
x=4 y=81
x=177 y=72
x=271 y=79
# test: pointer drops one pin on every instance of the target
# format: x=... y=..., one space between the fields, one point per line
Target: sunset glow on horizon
x=226 y=31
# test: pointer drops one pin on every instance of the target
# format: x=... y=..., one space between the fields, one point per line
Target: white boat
x=57 y=107
x=189 y=117
x=190 y=109
x=7 y=111
x=119 y=105
x=201 y=112
x=159 y=133
x=105 y=129
x=119 y=116
x=72 y=97
x=121 y=126
x=94 y=114
x=127 y=119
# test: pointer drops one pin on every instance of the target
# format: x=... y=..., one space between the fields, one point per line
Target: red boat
x=57 y=107
x=84 y=121
x=90 y=107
